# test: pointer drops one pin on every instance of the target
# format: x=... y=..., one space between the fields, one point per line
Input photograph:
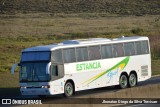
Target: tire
x=123 y=81
x=68 y=89
x=132 y=80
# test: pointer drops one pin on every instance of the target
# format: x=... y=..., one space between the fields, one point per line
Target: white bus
x=75 y=65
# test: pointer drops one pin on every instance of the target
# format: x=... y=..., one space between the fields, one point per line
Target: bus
x=83 y=64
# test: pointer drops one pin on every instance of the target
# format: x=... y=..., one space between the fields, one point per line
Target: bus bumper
x=35 y=91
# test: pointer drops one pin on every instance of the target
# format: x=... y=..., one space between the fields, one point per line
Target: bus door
x=57 y=71
x=57 y=66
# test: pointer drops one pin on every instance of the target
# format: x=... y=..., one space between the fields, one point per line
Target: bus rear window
x=35 y=56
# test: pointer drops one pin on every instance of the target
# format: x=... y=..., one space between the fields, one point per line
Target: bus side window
x=54 y=70
x=69 y=55
x=106 y=51
x=138 y=48
x=118 y=50
x=57 y=57
x=144 y=46
x=82 y=54
x=94 y=52
x=129 y=49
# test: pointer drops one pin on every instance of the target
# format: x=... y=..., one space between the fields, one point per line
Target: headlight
x=23 y=87
x=47 y=86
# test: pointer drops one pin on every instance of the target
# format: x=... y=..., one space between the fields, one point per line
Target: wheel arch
x=124 y=73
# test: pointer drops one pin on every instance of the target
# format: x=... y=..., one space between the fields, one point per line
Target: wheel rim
x=69 y=90
x=123 y=81
x=132 y=80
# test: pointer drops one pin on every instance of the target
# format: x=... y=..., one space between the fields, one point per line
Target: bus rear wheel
x=68 y=89
x=132 y=80
x=123 y=82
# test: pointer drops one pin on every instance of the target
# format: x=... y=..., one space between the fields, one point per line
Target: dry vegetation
x=20 y=31
x=43 y=25
x=25 y=30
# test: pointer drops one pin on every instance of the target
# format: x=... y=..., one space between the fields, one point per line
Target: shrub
x=137 y=30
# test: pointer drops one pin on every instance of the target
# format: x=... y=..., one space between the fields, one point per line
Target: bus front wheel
x=68 y=89
x=123 y=82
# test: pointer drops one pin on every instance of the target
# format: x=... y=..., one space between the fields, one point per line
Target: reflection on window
x=57 y=56
x=118 y=50
x=142 y=47
x=33 y=72
x=24 y=72
x=94 y=52
x=35 y=56
x=106 y=51
x=54 y=70
x=138 y=48
x=69 y=55
x=39 y=72
x=145 y=49
x=57 y=71
x=82 y=54
x=129 y=49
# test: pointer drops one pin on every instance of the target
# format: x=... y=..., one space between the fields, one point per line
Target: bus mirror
x=13 y=68
x=48 y=68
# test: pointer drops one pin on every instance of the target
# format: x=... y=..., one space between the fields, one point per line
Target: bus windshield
x=32 y=72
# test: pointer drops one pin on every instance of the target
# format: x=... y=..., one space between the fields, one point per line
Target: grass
x=7 y=80
x=155 y=67
x=25 y=30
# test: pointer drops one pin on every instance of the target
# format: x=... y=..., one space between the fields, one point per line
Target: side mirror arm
x=13 y=68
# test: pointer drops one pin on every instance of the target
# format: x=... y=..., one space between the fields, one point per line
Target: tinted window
x=94 y=52
x=34 y=72
x=69 y=55
x=129 y=49
x=54 y=70
x=57 y=71
x=138 y=48
x=82 y=54
x=118 y=50
x=106 y=51
x=144 y=45
x=57 y=56
x=36 y=56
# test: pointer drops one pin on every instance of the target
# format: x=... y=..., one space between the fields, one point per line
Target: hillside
x=122 y=7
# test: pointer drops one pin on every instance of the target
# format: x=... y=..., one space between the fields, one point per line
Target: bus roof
x=84 y=42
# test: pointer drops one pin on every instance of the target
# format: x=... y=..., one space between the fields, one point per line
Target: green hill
x=122 y=7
